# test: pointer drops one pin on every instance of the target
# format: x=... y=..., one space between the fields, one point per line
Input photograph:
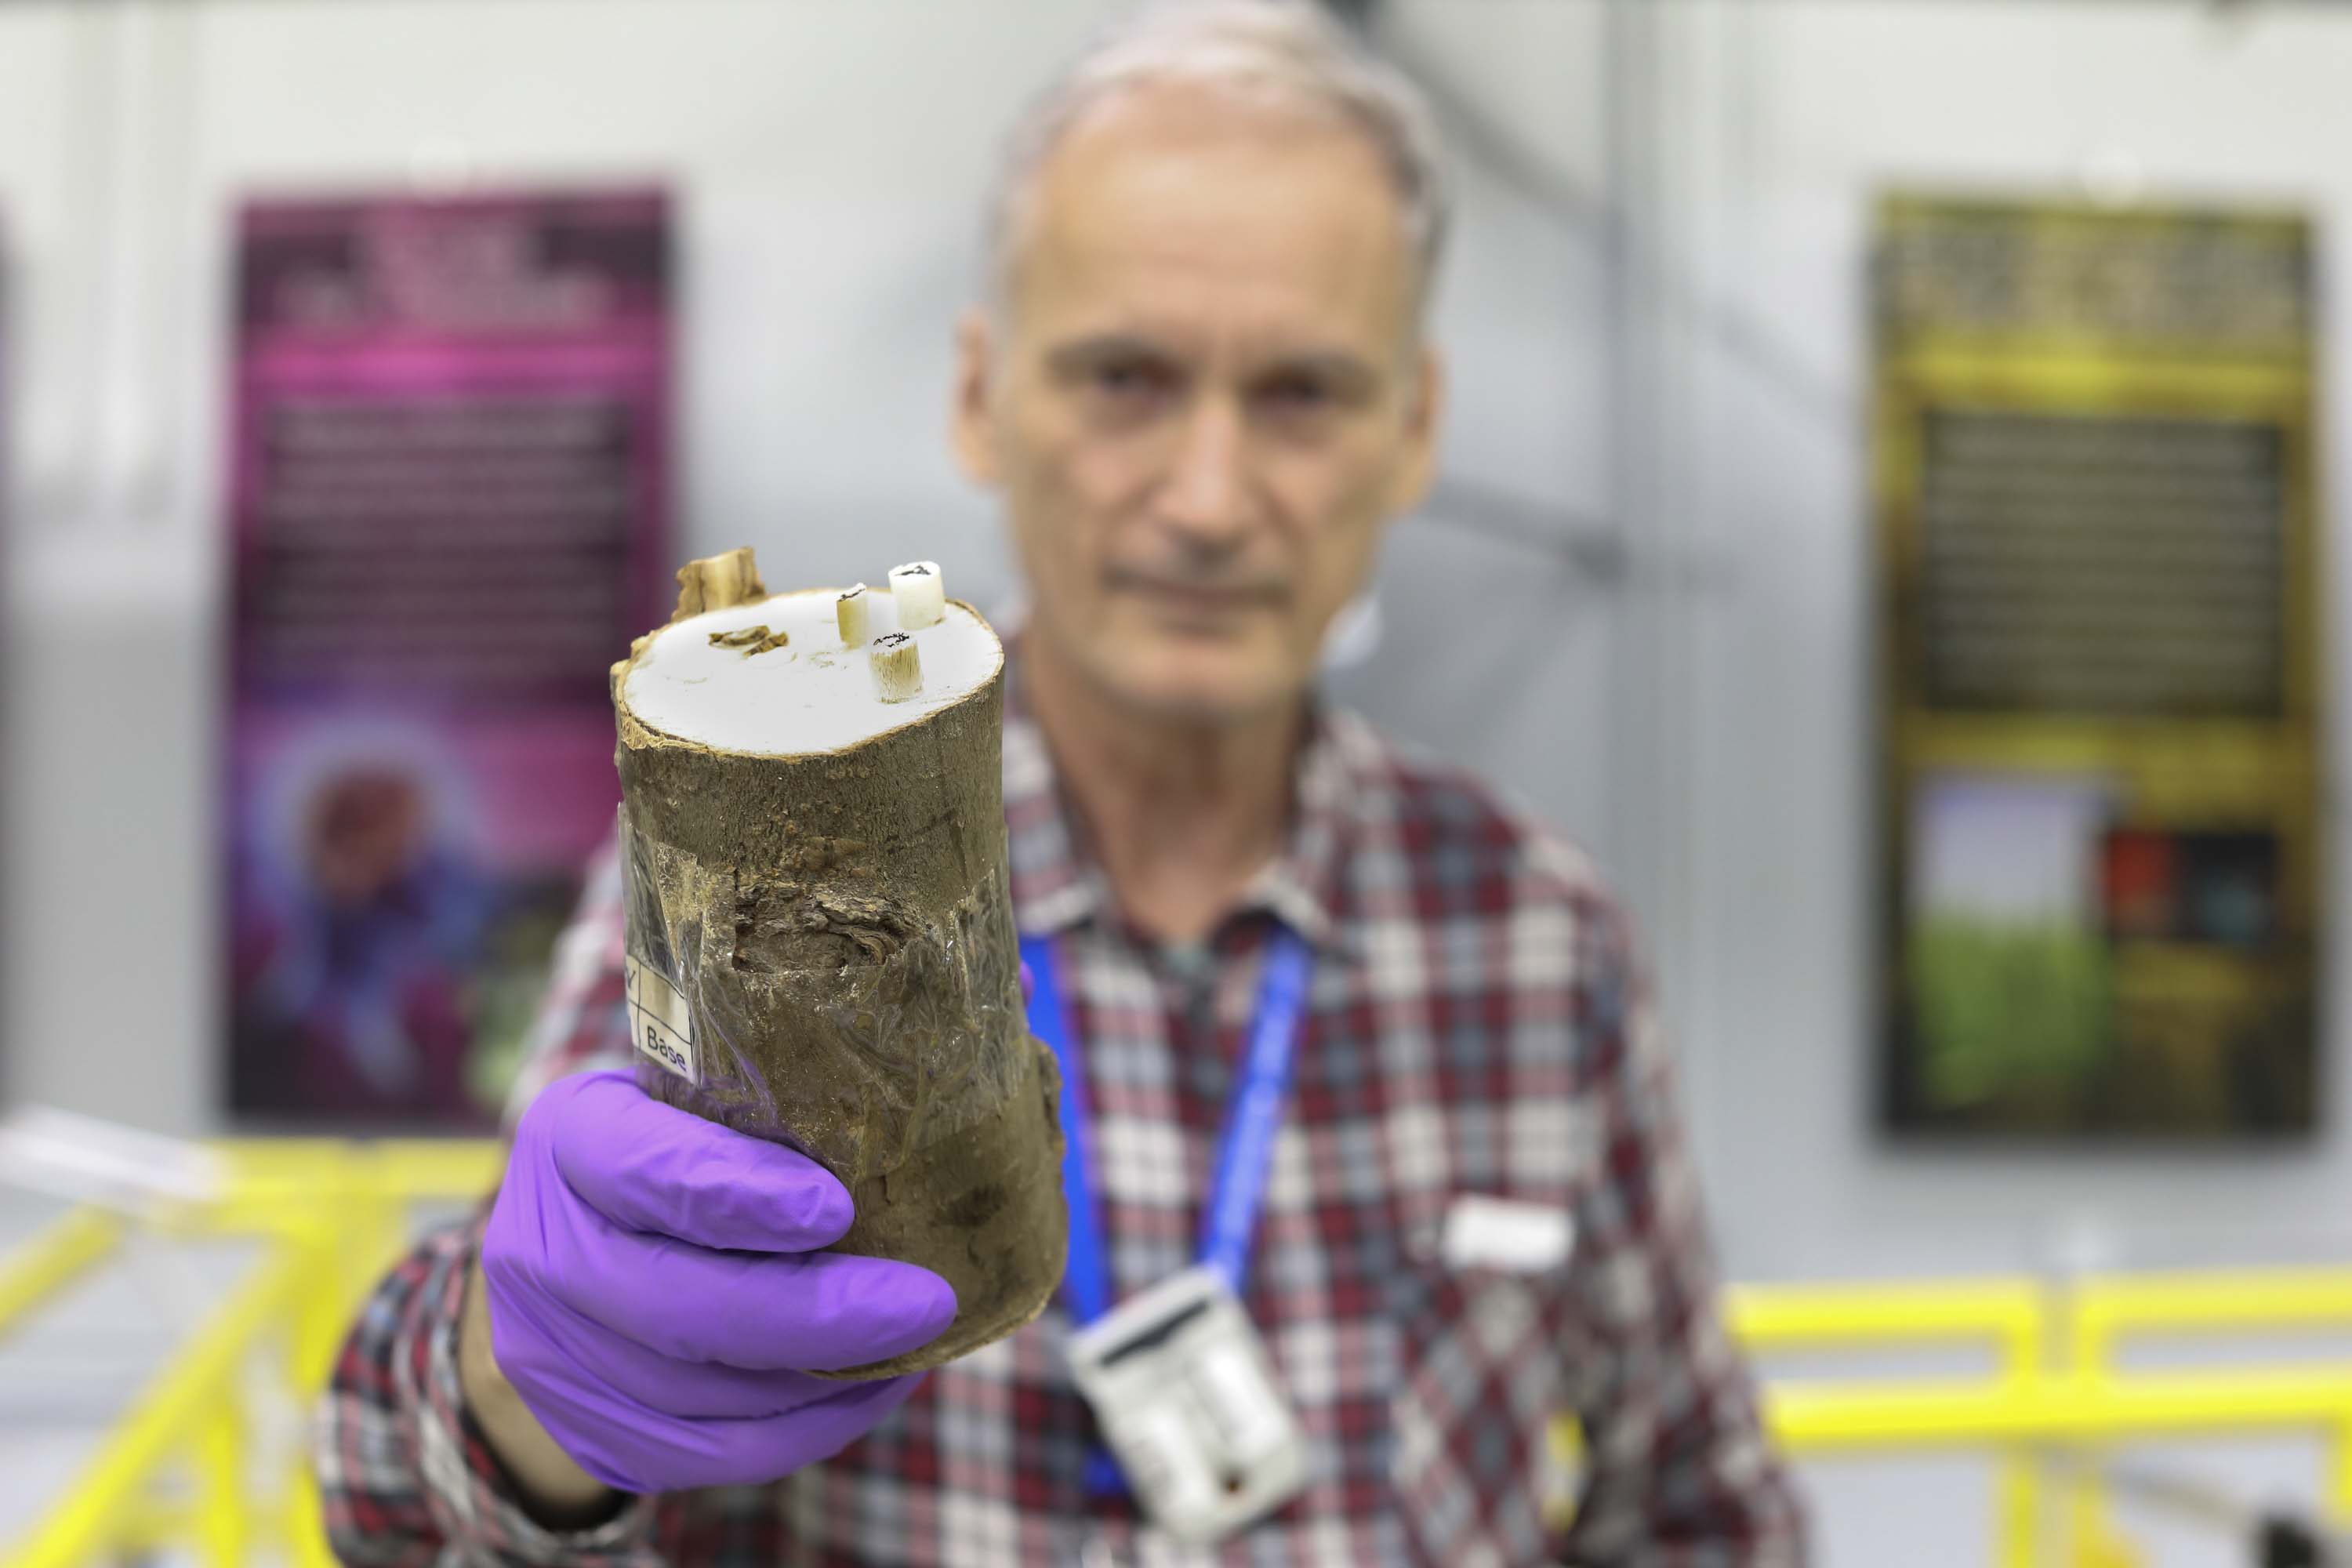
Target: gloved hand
x=656 y=1298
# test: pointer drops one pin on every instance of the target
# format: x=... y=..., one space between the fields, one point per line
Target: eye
x=1294 y=393
x=1128 y=379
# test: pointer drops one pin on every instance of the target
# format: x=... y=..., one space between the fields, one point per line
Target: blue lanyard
x=1244 y=1153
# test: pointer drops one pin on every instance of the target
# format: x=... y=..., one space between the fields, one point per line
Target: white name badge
x=1506 y=1233
x=1185 y=1394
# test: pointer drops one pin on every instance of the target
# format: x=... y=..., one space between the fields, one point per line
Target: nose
x=1208 y=495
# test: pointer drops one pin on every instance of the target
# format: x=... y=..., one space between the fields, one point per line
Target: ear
x=1417 y=458
x=971 y=429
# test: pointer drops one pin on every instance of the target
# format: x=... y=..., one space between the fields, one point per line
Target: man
x=1200 y=383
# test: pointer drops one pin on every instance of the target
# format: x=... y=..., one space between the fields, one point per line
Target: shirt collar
x=1057 y=885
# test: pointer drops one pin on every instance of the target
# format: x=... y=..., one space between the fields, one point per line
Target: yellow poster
x=2096 y=527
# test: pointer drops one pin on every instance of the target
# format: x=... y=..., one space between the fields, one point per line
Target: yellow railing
x=182 y=1466
x=2080 y=1403
x=2008 y=1317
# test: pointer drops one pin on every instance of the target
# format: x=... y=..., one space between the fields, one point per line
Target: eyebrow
x=1084 y=353
x=1349 y=370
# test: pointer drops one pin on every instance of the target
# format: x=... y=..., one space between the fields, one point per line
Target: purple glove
x=655 y=1294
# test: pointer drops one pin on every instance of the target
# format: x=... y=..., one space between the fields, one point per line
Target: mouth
x=1199 y=601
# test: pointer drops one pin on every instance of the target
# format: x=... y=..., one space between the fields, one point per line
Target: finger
x=650 y=1166
x=817 y=1310
x=538 y=1341
x=747 y=1452
x=634 y=1448
x=820 y=1431
x=1028 y=985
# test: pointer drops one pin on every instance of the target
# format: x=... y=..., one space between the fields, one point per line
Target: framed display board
x=2099 y=632
x=450 y=513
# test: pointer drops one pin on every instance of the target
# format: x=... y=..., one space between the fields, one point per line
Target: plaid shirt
x=1478 y=1025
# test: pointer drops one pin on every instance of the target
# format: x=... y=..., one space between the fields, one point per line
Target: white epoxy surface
x=811 y=695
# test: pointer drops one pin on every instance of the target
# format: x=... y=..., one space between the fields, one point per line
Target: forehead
x=1186 y=209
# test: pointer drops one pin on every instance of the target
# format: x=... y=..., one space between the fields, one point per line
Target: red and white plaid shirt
x=1478 y=1025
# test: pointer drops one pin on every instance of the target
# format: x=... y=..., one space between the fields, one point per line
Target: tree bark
x=840 y=928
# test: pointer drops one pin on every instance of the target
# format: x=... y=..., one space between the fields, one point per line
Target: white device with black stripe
x=1186 y=1396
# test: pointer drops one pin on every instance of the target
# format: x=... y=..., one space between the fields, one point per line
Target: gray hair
x=1287 y=52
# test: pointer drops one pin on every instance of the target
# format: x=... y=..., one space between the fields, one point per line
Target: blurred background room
x=1886 y=516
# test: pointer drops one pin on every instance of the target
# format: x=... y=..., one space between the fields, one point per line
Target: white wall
x=1835 y=102
x=1813 y=108
x=829 y=155
x=826 y=154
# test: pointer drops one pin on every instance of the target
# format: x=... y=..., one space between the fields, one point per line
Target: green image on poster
x=2009 y=972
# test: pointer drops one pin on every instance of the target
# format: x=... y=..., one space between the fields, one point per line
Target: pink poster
x=450 y=512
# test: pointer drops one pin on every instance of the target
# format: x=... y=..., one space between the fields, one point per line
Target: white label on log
x=659 y=1020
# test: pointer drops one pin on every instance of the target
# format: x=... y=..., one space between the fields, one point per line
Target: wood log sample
x=820 y=947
